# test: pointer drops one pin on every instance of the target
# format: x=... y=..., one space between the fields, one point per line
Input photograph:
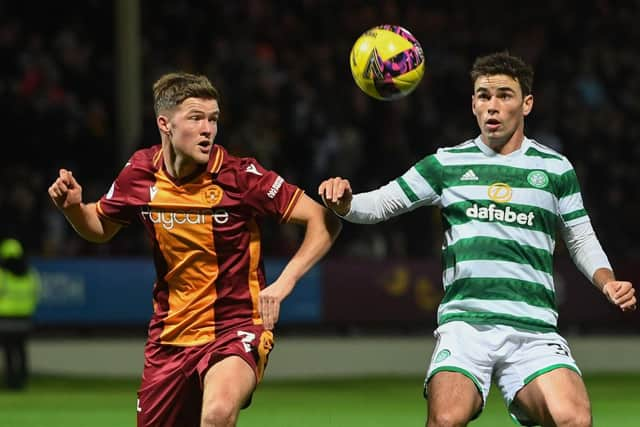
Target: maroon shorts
x=171 y=391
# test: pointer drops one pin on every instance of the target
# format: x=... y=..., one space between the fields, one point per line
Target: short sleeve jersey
x=205 y=236
x=500 y=215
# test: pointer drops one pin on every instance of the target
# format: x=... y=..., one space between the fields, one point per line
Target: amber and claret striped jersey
x=206 y=239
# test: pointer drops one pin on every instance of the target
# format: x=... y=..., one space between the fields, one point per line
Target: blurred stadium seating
x=288 y=99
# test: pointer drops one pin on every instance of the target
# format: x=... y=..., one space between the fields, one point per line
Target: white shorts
x=510 y=357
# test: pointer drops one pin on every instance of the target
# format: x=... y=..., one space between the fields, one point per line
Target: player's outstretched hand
x=336 y=194
x=65 y=190
x=622 y=294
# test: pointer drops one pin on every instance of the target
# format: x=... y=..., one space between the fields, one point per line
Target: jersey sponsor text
x=170 y=219
x=493 y=213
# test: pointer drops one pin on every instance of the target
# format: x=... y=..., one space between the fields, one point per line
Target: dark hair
x=507 y=64
x=172 y=89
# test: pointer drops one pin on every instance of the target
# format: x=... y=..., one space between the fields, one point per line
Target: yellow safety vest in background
x=18 y=294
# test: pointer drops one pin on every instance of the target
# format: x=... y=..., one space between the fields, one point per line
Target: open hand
x=269 y=305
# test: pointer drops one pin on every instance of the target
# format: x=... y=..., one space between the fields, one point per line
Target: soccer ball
x=387 y=62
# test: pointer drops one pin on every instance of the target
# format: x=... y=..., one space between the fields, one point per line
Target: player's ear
x=163 y=124
x=473 y=104
x=527 y=104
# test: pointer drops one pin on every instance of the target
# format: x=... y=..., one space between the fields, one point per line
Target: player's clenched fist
x=336 y=194
x=65 y=190
x=622 y=294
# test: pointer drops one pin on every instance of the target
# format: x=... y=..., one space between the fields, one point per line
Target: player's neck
x=505 y=147
x=179 y=169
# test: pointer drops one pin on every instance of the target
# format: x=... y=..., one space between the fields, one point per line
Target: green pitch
x=371 y=402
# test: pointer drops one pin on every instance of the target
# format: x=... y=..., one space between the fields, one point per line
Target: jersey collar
x=526 y=142
x=215 y=160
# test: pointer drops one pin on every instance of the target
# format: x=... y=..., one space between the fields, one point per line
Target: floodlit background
x=75 y=92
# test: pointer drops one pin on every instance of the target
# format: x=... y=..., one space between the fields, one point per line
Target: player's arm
x=366 y=208
x=66 y=194
x=321 y=230
x=589 y=257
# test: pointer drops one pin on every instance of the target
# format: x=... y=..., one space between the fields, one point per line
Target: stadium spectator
x=501 y=196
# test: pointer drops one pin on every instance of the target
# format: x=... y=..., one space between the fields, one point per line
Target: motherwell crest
x=213 y=195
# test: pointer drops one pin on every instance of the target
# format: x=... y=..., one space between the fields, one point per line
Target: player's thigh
x=453 y=398
x=227 y=385
x=169 y=394
x=557 y=397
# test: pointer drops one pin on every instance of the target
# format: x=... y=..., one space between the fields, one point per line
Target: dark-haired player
x=502 y=196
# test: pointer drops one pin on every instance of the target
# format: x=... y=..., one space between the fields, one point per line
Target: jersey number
x=560 y=349
x=247 y=339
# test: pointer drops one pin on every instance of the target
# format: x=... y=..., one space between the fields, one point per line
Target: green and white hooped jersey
x=500 y=215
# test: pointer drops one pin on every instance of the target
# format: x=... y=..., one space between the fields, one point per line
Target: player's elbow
x=99 y=233
x=94 y=237
x=100 y=239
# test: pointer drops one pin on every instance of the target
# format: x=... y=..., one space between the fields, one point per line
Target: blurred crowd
x=289 y=100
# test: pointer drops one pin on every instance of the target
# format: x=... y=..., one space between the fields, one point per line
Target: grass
x=371 y=402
